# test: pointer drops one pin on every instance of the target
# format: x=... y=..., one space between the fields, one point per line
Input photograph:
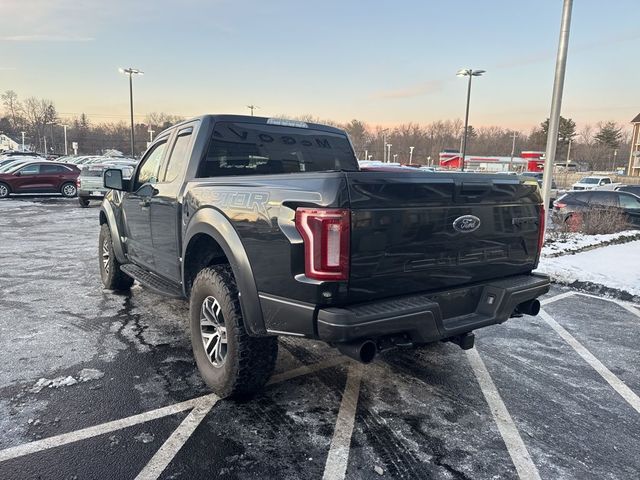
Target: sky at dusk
x=383 y=62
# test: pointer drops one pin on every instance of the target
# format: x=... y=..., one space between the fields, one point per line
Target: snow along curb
x=618 y=239
x=598 y=289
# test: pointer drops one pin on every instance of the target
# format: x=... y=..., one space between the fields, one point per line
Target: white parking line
x=176 y=440
x=555 y=298
x=83 y=434
x=65 y=438
x=515 y=445
x=617 y=384
x=336 y=466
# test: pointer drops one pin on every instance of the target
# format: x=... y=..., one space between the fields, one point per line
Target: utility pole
x=252 y=108
x=151 y=132
x=366 y=154
x=556 y=101
x=513 y=151
x=615 y=154
x=411 y=154
x=45 y=145
x=389 y=145
x=23 y=140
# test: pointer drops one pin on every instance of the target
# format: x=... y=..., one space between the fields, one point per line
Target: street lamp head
x=468 y=72
x=131 y=71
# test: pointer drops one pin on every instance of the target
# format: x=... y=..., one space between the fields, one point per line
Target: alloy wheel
x=213 y=331
x=105 y=256
x=69 y=190
x=4 y=191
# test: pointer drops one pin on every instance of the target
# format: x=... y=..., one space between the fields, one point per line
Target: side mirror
x=18 y=174
x=113 y=179
x=147 y=190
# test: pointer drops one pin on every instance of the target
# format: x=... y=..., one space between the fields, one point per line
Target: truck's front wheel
x=112 y=277
x=231 y=362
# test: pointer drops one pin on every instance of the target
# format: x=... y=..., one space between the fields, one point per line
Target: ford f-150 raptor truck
x=269 y=227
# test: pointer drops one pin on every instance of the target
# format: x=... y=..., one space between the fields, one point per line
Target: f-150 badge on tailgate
x=466 y=223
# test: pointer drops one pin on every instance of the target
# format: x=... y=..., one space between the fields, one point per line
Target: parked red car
x=40 y=177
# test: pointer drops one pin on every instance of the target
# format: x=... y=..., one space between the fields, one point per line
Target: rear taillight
x=325 y=232
x=559 y=205
x=541 y=229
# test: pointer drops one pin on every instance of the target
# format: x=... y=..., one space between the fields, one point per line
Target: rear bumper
x=431 y=317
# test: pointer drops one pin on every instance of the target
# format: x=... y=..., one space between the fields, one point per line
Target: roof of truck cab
x=250 y=119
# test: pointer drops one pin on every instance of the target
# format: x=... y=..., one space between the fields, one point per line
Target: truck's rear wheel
x=112 y=277
x=231 y=362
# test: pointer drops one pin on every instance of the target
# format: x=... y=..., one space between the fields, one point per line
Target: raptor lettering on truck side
x=247 y=201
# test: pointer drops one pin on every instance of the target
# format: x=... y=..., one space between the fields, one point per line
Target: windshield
x=249 y=149
x=590 y=180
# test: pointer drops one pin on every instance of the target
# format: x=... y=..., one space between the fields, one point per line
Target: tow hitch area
x=464 y=341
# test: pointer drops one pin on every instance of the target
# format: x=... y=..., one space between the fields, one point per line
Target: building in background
x=526 y=162
x=634 y=156
x=7 y=144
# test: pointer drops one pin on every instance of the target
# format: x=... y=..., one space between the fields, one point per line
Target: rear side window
x=53 y=169
x=604 y=199
x=250 y=149
x=580 y=197
x=179 y=156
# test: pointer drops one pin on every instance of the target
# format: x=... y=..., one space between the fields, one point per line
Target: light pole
x=151 y=132
x=556 y=100
x=395 y=155
x=23 y=140
x=65 y=139
x=467 y=72
x=252 y=108
x=411 y=154
x=131 y=72
x=389 y=145
x=384 y=142
x=513 y=150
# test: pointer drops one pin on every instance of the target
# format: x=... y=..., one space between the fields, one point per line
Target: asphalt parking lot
x=99 y=385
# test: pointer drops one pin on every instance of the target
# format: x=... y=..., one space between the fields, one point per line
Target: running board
x=152 y=281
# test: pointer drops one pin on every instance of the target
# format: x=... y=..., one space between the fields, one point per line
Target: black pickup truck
x=269 y=227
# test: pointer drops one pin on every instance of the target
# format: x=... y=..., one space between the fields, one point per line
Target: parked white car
x=593 y=182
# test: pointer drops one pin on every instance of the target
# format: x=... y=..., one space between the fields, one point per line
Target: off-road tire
x=112 y=277
x=249 y=361
x=66 y=190
x=83 y=201
x=5 y=190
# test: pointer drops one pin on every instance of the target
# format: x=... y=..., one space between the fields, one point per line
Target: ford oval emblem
x=466 y=223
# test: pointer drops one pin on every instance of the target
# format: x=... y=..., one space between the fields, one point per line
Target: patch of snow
x=53 y=383
x=84 y=375
x=614 y=266
x=87 y=374
x=144 y=437
x=572 y=242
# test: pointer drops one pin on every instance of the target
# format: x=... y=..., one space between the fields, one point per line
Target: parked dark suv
x=40 y=177
x=576 y=204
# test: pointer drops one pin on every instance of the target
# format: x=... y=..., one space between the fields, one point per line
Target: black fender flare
x=212 y=222
x=118 y=249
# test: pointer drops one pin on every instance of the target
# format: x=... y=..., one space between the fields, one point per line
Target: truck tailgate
x=403 y=238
